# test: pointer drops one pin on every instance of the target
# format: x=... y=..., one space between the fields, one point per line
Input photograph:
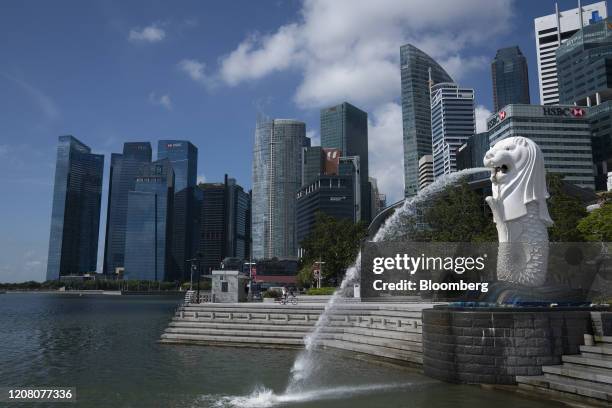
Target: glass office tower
x=148 y=241
x=183 y=157
x=417 y=71
x=452 y=123
x=345 y=127
x=276 y=180
x=123 y=171
x=510 y=78
x=75 y=217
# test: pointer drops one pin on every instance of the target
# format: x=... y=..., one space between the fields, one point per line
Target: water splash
x=305 y=363
x=263 y=397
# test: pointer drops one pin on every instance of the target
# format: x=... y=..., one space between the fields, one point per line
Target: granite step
x=230 y=340
x=273 y=326
x=234 y=333
x=600 y=375
x=380 y=342
x=590 y=360
x=568 y=385
x=603 y=339
x=393 y=354
x=599 y=348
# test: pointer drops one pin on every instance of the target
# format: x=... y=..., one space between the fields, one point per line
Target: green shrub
x=321 y=291
x=272 y=294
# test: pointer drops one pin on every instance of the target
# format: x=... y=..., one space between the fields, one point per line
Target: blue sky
x=113 y=71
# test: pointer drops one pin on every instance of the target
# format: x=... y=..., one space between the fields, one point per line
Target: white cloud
x=481 y=113
x=162 y=100
x=45 y=103
x=201 y=178
x=349 y=49
x=313 y=135
x=196 y=70
x=387 y=157
x=151 y=34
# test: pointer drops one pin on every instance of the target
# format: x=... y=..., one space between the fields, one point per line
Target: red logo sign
x=578 y=112
x=502 y=115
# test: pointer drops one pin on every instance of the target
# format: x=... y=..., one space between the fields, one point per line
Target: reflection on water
x=106 y=347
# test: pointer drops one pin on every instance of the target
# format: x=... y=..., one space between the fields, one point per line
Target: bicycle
x=289 y=299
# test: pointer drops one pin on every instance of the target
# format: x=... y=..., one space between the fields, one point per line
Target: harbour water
x=106 y=347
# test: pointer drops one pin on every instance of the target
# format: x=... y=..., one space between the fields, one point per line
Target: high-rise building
x=312 y=159
x=331 y=195
x=345 y=127
x=123 y=171
x=584 y=64
x=350 y=166
x=148 y=237
x=452 y=123
x=562 y=132
x=418 y=72
x=471 y=154
x=183 y=157
x=510 y=78
x=277 y=159
x=375 y=197
x=75 y=216
x=426 y=175
x=553 y=30
x=225 y=228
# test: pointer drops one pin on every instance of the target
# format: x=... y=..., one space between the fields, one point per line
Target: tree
x=565 y=210
x=597 y=226
x=458 y=215
x=335 y=242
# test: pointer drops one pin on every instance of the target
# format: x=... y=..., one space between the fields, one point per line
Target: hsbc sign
x=501 y=115
x=573 y=111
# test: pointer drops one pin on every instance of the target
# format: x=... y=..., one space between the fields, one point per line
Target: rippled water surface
x=106 y=347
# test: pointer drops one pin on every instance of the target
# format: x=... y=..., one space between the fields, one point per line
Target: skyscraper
x=562 y=132
x=510 y=78
x=452 y=123
x=225 y=225
x=148 y=243
x=584 y=64
x=123 y=171
x=345 y=127
x=553 y=30
x=75 y=217
x=183 y=157
x=276 y=180
x=417 y=70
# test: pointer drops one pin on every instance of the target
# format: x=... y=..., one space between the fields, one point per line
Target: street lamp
x=320 y=267
x=250 y=263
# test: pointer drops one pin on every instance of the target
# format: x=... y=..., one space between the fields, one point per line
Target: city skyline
x=117 y=97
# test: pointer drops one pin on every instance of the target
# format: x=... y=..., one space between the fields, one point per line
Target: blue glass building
x=75 y=217
x=510 y=78
x=183 y=157
x=417 y=69
x=148 y=244
x=276 y=179
x=123 y=172
x=345 y=127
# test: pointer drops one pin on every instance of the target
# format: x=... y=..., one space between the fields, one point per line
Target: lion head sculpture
x=518 y=177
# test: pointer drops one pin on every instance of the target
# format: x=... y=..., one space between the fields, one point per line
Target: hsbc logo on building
x=501 y=115
x=573 y=111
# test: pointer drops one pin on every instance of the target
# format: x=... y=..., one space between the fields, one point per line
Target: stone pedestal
x=493 y=345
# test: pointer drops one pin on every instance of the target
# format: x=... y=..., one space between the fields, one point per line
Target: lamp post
x=194 y=268
x=319 y=270
x=250 y=263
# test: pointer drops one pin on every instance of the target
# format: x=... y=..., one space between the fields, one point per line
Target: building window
x=223 y=286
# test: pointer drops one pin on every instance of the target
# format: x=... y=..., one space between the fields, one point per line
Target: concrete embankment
x=390 y=331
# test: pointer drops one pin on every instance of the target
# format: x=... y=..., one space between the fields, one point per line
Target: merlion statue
x=519 y=210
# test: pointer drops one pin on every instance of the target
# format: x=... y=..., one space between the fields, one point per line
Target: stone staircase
x=387 y=331
x=584 y=377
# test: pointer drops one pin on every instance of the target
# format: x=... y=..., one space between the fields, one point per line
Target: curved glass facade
x=276 y=180
x=416 y=109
